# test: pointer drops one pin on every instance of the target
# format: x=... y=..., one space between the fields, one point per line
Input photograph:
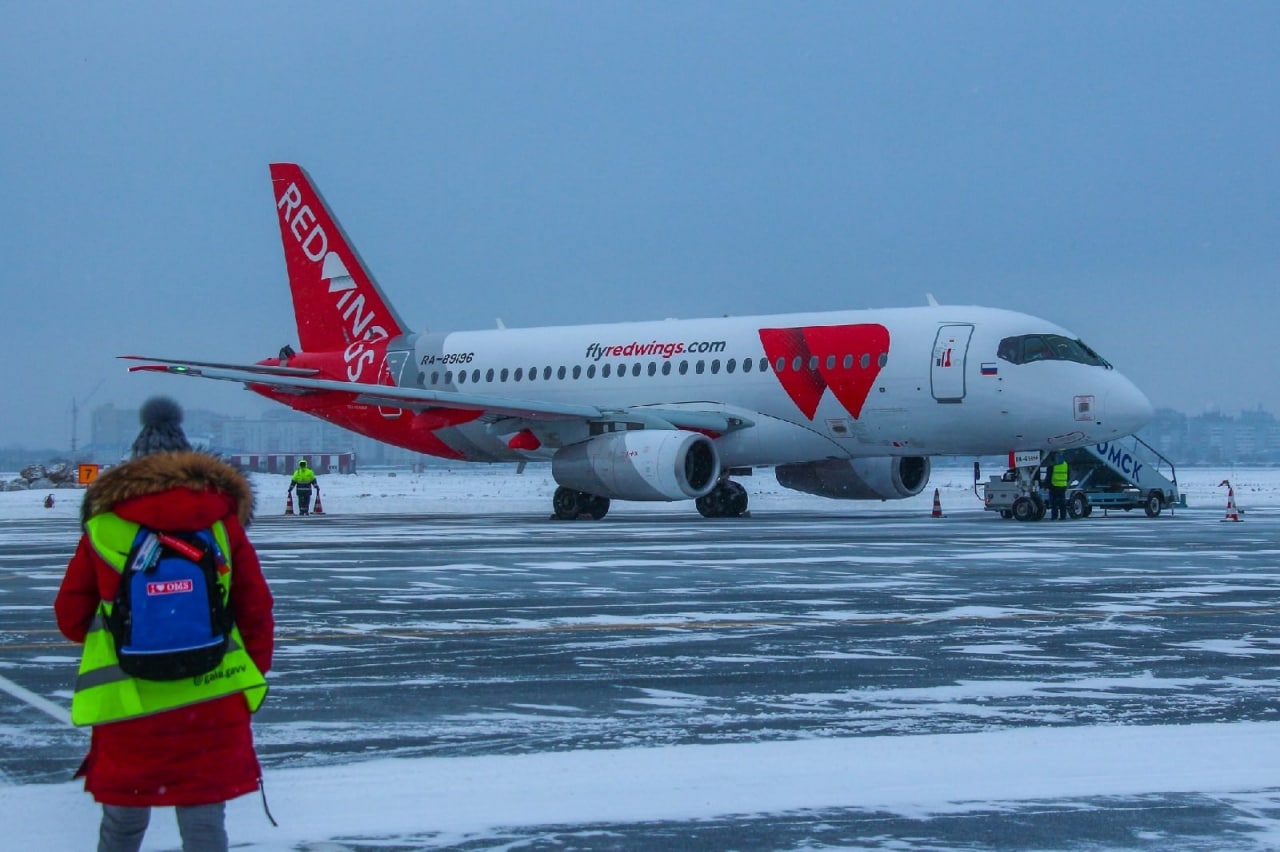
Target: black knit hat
x=161 y=428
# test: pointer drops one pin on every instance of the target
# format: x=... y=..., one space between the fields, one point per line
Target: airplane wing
x=302 y=382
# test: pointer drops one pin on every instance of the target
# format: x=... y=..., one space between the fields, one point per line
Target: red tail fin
x=336 y=302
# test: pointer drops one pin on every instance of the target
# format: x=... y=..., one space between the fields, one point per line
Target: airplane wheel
x=598 y=507
x=1038 y=502
x=709 y=504
x=1153 y=505
x=1006 y=514
x=735 y=502
x=565 y=504
x=1023 y=509
x=1078 y=505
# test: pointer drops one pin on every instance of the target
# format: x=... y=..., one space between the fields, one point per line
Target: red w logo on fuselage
x=845 y=358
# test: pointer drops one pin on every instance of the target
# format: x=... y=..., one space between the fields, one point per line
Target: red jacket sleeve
x=251 y=601
x=79 y=595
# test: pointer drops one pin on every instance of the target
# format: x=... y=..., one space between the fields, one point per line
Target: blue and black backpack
x=169 y=620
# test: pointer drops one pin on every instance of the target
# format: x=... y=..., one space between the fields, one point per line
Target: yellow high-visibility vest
x=105 y=693
x=1060 y=475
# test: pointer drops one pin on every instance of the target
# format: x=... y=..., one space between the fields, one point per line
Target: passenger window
x=684 y=367
x=488 y=375
x=884 y=358
x=848 y=361
x=700 y=367
x=577 y=371
x=622 y=370
x=666 y=368
x=448 y=377
x=591 y=371
x=781 y=365
x=546 y=374
x=764 y=364
x=605 y=370
x=796 y=363
x=560 y=373
x=435 y=377
x=831 y=362
x=504 y=374
x=462 y=377
x=519 y=373
x=653 y=367
x=635 y=369
x=533 y=373
x=730 y=365
x=813 y=362
x=866 y=360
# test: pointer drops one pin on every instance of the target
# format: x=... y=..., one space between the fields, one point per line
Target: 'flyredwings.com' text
x=597 y=351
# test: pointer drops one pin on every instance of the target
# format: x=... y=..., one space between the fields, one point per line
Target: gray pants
x=202 y=828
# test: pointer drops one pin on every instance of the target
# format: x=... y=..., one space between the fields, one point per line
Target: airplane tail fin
x=335 y=300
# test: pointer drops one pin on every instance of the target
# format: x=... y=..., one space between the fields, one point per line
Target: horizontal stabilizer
x=265 y=369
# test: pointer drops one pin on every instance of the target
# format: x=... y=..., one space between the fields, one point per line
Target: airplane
x=847 y=405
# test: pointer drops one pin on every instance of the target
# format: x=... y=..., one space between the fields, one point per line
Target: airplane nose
x=1127 y=409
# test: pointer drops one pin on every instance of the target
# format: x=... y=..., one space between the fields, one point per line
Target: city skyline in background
x=107 y=430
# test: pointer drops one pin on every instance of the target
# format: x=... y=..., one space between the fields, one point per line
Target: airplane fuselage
x=893 y=382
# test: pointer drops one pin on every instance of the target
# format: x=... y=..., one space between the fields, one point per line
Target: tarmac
x=461 y=635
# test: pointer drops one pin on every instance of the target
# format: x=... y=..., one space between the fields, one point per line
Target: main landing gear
x=571 y=505
x=727 y=500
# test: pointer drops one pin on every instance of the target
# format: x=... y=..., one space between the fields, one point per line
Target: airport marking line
x=44 y=705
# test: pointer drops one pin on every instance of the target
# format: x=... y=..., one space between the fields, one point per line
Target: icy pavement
x=455 y=671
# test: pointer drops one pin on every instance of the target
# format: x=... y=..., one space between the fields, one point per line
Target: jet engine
x=642 y=464
x=885 y=478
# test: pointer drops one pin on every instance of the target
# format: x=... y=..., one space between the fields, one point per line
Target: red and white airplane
x=847 y=404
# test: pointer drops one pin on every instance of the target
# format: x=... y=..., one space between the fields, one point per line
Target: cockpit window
x=1026 y=348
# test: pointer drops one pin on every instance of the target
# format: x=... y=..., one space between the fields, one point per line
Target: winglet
x=335 y=300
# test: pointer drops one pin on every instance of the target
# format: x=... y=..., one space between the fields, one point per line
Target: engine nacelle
x=884 y=478
x=642 y=464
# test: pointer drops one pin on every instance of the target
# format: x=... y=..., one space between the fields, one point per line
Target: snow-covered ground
x=468 y=489
x=468 y=802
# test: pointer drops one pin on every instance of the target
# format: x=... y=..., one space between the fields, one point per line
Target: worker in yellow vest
x=304 y=480
x=1059 y=479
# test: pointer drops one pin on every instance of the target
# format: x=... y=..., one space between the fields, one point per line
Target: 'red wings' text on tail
x=336 y=302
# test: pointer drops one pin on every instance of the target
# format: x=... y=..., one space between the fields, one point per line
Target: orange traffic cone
x=288 y=506
x=1232 y=513
x=937 y=504
x=317 y=509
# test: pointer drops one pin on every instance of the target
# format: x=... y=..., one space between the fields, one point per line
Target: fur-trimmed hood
x=159 y=472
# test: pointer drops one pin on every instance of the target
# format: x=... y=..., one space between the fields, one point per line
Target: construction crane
x=75 y=413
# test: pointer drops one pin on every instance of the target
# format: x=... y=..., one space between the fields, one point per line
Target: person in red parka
x=195 y=757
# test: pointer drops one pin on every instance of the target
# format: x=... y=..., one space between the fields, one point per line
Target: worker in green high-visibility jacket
x=304 y=480
x=1059 y=479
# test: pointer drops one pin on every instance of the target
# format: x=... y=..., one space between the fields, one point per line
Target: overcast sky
x=1112 y=167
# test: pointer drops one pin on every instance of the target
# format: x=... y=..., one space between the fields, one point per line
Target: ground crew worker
x=304 y=479
x=1059 y=478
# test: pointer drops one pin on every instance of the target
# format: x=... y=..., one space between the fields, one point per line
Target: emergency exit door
x=392 y=374
x=950 y=349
